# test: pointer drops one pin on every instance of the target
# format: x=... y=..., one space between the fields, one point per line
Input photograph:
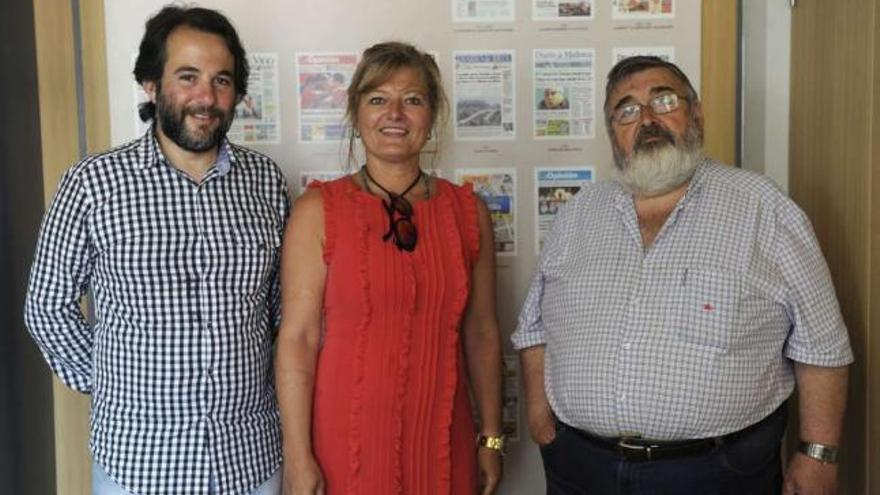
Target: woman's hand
x=304 y=479
x=489 y=461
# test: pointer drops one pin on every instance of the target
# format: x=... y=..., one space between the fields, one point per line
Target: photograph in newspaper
x=554 y=186
x=564 y=92
x=497 y=188
x=562 y=10
x=483 y=10
x=666 y=53
x=484 y=95
x=510 y=412
x=307 y=176
x=322 y=80
x=257 y=114
x=642 y=9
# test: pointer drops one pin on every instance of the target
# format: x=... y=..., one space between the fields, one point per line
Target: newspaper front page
x=555 y=186
x=497 y=188
x=562 y=10
x=483 y=10
x=666 y=53
x=322 y=80
x=257 y=114
x=564 y=93
x=484 y=101
x=642 y=9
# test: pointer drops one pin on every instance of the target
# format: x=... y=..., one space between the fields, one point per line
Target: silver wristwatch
x=826 y=454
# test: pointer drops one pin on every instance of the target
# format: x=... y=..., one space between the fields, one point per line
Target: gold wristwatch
x=492 y=442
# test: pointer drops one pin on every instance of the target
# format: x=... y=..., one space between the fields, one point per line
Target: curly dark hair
x=151 y=58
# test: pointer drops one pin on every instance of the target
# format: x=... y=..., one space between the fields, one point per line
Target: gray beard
x=659 y=170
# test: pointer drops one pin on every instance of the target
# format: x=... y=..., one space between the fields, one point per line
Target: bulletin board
x=525 y=80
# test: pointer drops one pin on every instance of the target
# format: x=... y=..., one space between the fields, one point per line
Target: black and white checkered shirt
x=184 y=279
x=694 y=337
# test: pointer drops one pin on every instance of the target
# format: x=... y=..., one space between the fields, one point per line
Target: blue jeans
x=102 y=484
x=751 y=464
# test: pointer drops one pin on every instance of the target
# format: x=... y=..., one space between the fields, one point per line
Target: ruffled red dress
x=392 y=413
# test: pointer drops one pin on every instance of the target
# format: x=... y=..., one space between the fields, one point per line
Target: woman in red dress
x=388 y=286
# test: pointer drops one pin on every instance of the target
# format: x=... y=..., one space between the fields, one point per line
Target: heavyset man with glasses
x=672 y=313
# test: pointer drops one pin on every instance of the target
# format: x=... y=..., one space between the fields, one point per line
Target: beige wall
x=834 y=176
x=59 y=116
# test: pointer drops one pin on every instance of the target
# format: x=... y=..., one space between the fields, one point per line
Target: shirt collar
x=150 y=154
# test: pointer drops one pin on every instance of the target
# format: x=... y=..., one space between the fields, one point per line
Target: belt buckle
x=626 y=448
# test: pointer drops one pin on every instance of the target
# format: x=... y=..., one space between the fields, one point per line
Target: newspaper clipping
x=323 y=80
x=510 y=413
x=554 y=186
x=307 y=176
x=642 y=9
x=482 y=10
x=666 y=53
x=257 y=114
x=562 y=10
x=564 y=93
x=484 y=95
x=496 y=187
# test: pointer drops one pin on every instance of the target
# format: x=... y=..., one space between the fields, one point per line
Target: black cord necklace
x=401 y=228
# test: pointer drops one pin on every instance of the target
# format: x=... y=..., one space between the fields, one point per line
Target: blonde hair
x=378 y=64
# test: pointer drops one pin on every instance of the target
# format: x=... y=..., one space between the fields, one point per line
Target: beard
x=172 y=119
x=661 y=165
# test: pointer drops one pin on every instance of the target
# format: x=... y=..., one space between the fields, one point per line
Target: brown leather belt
x=638 y=449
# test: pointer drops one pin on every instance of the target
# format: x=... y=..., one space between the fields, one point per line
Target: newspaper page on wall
x=257 y=114
x=484 y=101
x=666 y=53
x=483 y=10
x=497 y=188
x=554 y=186
x=322 y=80
x=642 y=9
x=307 y=176
x=562 y=10
x=510 y=412
x=564 y=93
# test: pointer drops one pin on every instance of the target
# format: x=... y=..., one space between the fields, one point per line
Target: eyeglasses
x=660 y=105
x=400 y=225
x=400 y=212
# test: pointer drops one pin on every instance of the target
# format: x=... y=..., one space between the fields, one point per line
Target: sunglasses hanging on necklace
x=400 y=212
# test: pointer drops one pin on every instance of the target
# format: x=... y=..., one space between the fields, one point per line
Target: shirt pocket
x=257 y=245
x=709 y=309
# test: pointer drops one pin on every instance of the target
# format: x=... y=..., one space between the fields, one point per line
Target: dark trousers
x=751 y=465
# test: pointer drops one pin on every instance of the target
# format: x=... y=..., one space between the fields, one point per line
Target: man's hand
x=807 y=476
x=542 y=426
x=489 y=461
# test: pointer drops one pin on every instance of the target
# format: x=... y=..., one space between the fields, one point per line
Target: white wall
x=766 y=66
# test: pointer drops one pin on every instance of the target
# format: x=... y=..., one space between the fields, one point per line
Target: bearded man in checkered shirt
x=672 y=313
x=175 y=235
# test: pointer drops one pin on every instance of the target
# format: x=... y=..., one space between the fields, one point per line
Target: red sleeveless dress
x=392 y=413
